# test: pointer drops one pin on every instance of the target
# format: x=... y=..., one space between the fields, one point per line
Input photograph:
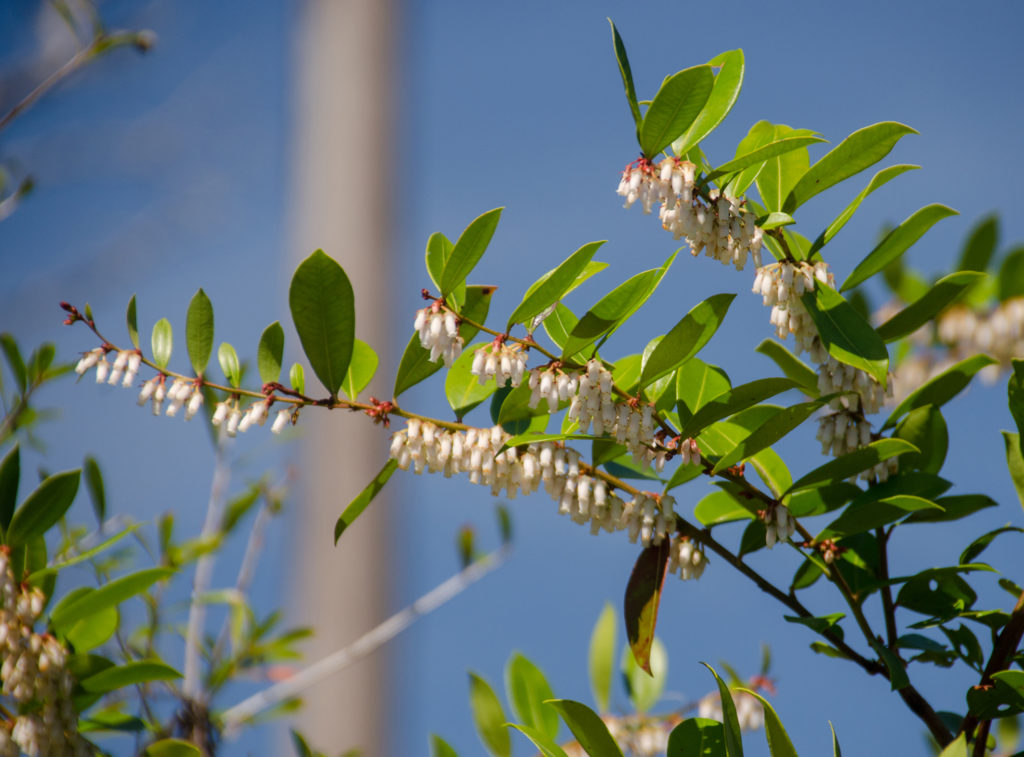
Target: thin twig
x=364 y=645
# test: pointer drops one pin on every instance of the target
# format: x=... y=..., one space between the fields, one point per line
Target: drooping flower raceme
x=439 y=333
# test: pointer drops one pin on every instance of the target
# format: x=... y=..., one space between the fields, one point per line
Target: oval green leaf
x=733 y=401
x=773 y=429
x=172 y=748
x=270 y=353
x=468 y=250
x=129 y=674
x=697 y=736
x=199 y=331
x=43 y=507
x=527 y=690
x=132 y=319
x=762 y=153
x=162 y=342
x=553 y=285
x=844 y=332
x=674 y=108
x=72 y=609
x=588 y=728
x=462 y=387
x=361 y=369
x=724 y=91
x=686 y=338
x=229 y=365
x=546 y=745
x=489 y=717
x=601 y=657
x=363 y=499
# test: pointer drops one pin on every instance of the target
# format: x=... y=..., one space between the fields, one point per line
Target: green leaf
x=88 y=554
x=527 y=690
x=323 y=310
x=94 y=483
x=686 y=338
x=733 y=401
x=645 y=688
x=720 y=507
x=897 y=671
x=43 y=507
x=172 y=748
x=589 y=730
x=553 y=285
x=697 y=737
x=860 y=150
x=14 y=359
x=763 y=153
x=852 y=463
x=925 y=428
x=363 y=499
x=361 y=369
x=1015 y=462
x=674 y=108
x=780 y=173
x=981 y=245
x=229 y=365
x=941 y=389
x=731 y=722
x=768 y=433
x=1015 y=394
x=439 y=249
x=697 y=383
x=643 y=595
x=440 y=748
x=10 y=473
x=879 y=179
x=601 y=657
x=724 y=91
x=896 y=242
x=859 y=518
x=613 y=309
x=779 y=744
x=822 y=625
x=957 y=748
x=416 y=366
x=162 y=341
x=546 y=745
x=72 y=609
x=94 y=631
x=844 y=332
x=627 y=75
x=462 y=388
x=270 y=353
x=944 y=292
x=297 y=378
x=775 y=220
x=793 y=367
x=133 y=323
x=129 y=674
x=468 y=250
x=1010 y=279
x=489 y=717
x=980 y=544
x=199 y=331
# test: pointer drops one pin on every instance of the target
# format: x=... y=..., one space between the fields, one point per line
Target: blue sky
x=162 y=173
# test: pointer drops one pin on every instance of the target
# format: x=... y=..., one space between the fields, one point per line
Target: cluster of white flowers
x=781 y=286
x=686 y=558
x=33 y=671
x=779 y=525
x=182 y=393
x=719 y=227
x=842 y=432
x=423 y=446
x=553 y=385
x=501 y=361
x=862 y=391
x=124 y=370
x=228 y=414
x=999 y=333
x=636 y=735
x=749 y=710
x=439 y=332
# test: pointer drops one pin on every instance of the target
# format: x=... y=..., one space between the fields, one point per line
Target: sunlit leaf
x=363 y=499
x=674 y=108
x=588 y=728
x=845 y=334
x=468 y=250
x=643 y=595
x=601 y=657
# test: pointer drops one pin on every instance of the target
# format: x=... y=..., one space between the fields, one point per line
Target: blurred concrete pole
x=340 y=161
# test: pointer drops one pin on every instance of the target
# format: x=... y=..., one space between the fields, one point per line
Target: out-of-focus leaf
x=67 y=613
x=730 y=720
x=229 y=364
x=941 y=389
x=172 y=748
x=601 y=657
x=643 y=595
x=645 y=688
x=546 y=745
x=1010 y=279
x=440 y=748
x=132 y=319
x=10 y=473
x=553 y=285
x=896 y=242
x=97 y=629
x=199 y=331
x=489 y=717
x=981 y=245
x=686 y=338
x=779 y=744
x=944 y=292
x=844 y=332
x=468 y=250
x=270 y=353
x=527 y=690
x=129 y=674
x=589 y=730
x=360 y=370
x=94 y=482
x=697 y=736
x=674 y=108
x=43 y=507
x=363 y=499
x=162 y=341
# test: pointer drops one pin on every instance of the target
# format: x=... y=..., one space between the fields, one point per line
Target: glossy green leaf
x=527 y=690
x=724 y=91
x=94 y=483
x=674 y=108
x=926 y=429
x=720 y=507
x=762 y=153
x=940 y=389
x=781 y=172
x=67 y=613
x=730 y=720
x=462 y=388
x=172 y=748
x=767 y=434
x=697 y=737
x=645 y=688
x=643 y=595
x=439 y=249
x=980 y=245
x=779 y=744
x=896 y=242
x=544 y=743
x=559 y=325
x=953 y=508
x=823 y=624
x=852 y=463
x=441 y=748
x=759 y=135
x=489 y=717
x=627 y=76
x=775 y=220
x=416 y=366
x=844 y=332
x=162 y=341
x=10 y=473
x=229 y=364
x=860 y=150
x=94 y=631
x=980 y=544
x=601 y=657
x=132 y=318
x=553 y=285
x=859 y=518
x=821 y=499
x=589 y=730
x=270 y=353
x=323 y=309
x=468 y=250
x=297 y=378
x=129 y=674
x=361 y=369
x=733 y=401
x=793 y=367
x=878 y=180
x=773 y=470
x=199 y=331
x=686 y=338
x=697 y=383
x=43 y=508
x=944 y=292
x=363 y=499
